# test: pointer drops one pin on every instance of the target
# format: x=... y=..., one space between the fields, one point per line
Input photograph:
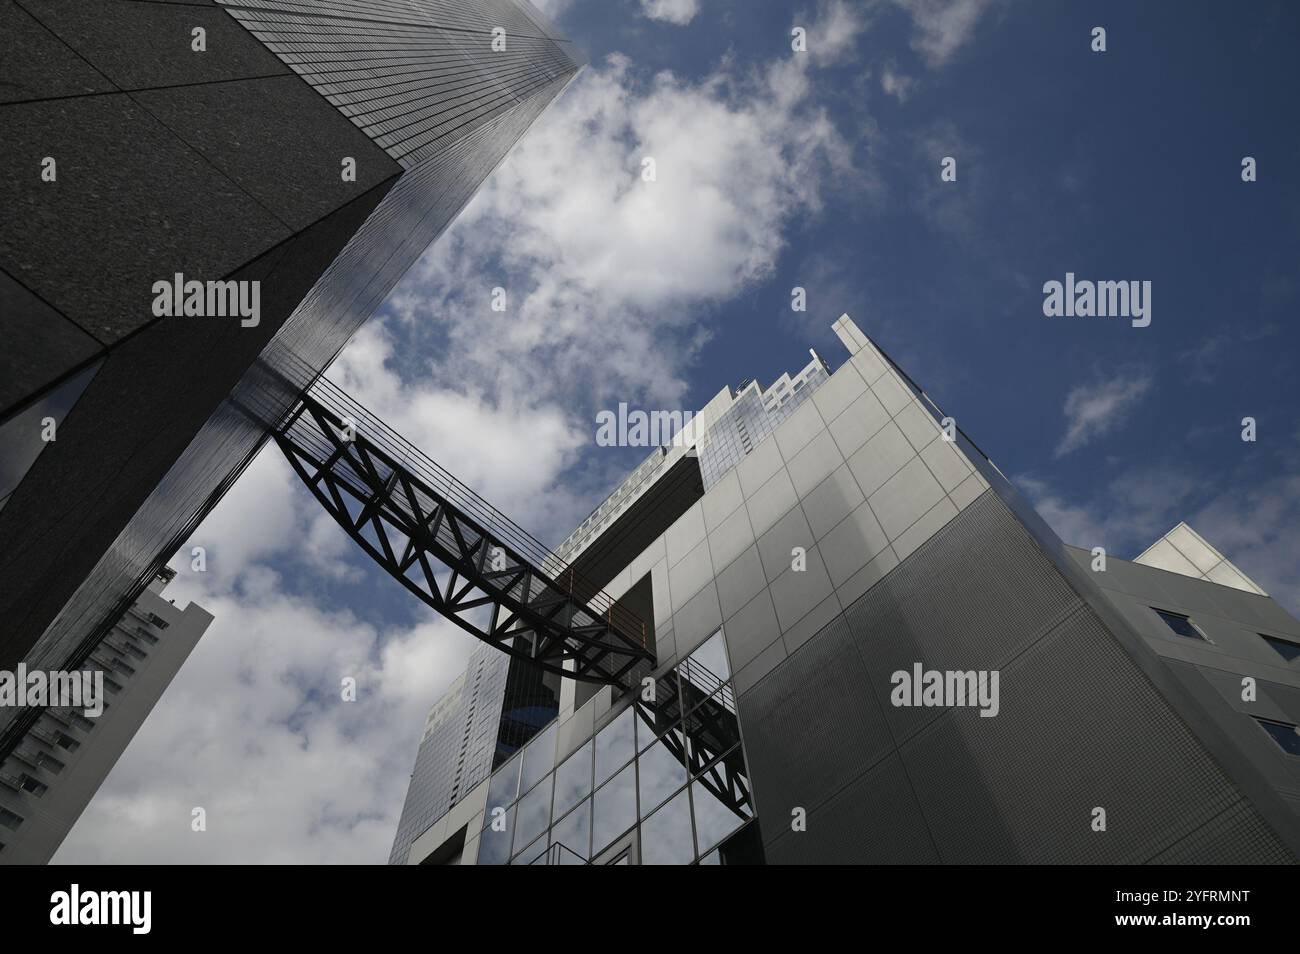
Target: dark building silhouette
x=216 y=142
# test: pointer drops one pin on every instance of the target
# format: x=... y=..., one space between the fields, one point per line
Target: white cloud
x=833 y=35
x=679 y=12
x=941 y=27
x=551 y=9
x=1258 y=529
x=895 y=83
x=609 y=279
x=1096 y=409
x=1130 y=513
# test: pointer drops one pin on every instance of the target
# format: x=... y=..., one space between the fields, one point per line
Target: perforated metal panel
x=1080 y=727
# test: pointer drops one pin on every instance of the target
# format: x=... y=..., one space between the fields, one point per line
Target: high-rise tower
x=265 y=170
x=60 y=762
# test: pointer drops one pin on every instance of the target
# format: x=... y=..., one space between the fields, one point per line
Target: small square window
x=1283 y=733
x=9 y=819
x=1180 y=624
x=1285 y=648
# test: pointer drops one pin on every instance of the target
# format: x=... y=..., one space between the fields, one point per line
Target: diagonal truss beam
x=456 y=553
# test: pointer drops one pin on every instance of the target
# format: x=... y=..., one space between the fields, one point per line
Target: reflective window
x=572 y=781
x=711 y=657
x=24 y=436
x=712 y=858
x=1283 y=733
x=661 y=770
x=539 y=758
x=533 y=814
x=494 y=845
x=614 y=808
x=718 y=813
x=1285 y=648
x=574 y=832
x=529 y=854
x=711 y=730
x=656 y=717
x=1180 y=624
x=666 y=835
x=504 y=785
x=615 y=745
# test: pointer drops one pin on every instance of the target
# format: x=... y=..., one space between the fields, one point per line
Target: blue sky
x=774 y=169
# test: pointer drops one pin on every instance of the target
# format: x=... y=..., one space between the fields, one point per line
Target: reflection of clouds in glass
x=574 y=832
x=673 y=750
x=534 y=813
x=714 y=820
x=572 y=781
x=494 y=846
x=504 y=786
x=615 y=745
x=531 y=853
x=539 y=757
x=615 y=810
x=662 y=773
x=666 y=835
x=712 y=655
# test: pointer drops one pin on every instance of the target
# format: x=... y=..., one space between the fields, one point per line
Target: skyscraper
x=484 y=717
x=205 y=201
x=60 y=762
x=870 y=648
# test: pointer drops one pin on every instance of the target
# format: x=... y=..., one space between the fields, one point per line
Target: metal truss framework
x=453 y=550
x=708 y=743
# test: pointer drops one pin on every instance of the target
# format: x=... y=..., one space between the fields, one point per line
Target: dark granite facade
x=221 y=164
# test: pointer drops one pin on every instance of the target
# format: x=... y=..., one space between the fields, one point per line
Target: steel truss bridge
x=452 y=549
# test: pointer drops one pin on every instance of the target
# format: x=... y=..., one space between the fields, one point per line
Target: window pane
x=615 y=808
x=493 y=845
x=572 y=781
x=539 y=758
x=666 y=835
x=1288 y=650
x=529 y=854
x=1284 y=735
x=1180 y=624
x=662 y=771
x=21 y=440
x=504 y=785
x=716 y=815
x=712 y=657
x=712 y=729
x=574 y=833
x=615 y=745
x=534 y=813
x=664 y=712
